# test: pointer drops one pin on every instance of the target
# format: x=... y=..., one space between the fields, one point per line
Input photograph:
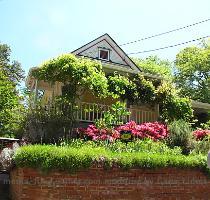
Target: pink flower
x=201 y=134
x=153 y=130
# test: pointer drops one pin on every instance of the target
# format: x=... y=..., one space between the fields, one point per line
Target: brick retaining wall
x=116 y=184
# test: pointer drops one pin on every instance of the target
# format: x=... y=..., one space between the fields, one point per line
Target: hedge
x=51 y=157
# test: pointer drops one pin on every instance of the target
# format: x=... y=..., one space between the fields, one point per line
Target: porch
x=90 y=112
x=91 y=108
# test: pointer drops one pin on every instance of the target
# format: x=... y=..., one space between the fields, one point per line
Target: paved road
x=4 y=188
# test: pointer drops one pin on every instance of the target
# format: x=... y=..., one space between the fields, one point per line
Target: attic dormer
x=104 y=48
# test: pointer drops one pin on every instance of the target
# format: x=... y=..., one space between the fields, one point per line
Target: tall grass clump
x=180 y=135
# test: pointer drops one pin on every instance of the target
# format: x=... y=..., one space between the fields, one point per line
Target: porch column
x=158 y=111
x=35 y=92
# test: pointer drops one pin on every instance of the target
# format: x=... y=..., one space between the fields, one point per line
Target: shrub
x=201 y=134
x=50 y=157
x=206 y=125
x=202 y=146
x=46 y=124
x=94 y=133
x=143 y=146
x=114 y=116
x=152 y=130
x=180 y=135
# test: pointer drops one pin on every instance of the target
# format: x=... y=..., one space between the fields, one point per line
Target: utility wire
x=170 y=46
x=159 y=34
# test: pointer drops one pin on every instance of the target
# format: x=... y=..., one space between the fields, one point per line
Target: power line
x=170 y=46
x=159 y=34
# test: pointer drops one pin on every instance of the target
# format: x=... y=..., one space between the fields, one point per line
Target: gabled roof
x=114 y=46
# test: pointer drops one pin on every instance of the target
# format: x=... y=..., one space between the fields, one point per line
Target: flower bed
x=152 y=130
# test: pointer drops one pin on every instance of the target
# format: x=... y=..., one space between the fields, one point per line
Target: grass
x=73 y=158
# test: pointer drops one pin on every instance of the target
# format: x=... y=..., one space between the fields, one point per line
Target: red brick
x=96 y=183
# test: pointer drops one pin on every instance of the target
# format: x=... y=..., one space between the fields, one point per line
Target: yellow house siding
x=90 y=98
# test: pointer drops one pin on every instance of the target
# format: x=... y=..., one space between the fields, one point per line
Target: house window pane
x=104 y=54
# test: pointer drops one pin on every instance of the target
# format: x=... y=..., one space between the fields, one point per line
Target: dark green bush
x=180 y=134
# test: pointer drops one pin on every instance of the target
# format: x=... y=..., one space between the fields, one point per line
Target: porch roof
x=200 y=107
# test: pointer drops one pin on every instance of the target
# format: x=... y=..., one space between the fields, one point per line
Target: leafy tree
x=10 y=101
x=12 y=69
x=192 y=74
x=155 y=66
x=9 y=106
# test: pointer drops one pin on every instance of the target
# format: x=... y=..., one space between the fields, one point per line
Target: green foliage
x=77 y=75
x=155 y=66
x=115 y=116
x=145 y=91
x=135 y=89
x=180 y=134
x=51 y=157
x=75 y=72
x=70 y=159
x=10 y=107
x=121 y=86
x=206 y=125
x=11 y=69
x=202 y=146
x=193 y=74
x=10 y=100
x=173 y=107
x=144 y=146
x=50 y=122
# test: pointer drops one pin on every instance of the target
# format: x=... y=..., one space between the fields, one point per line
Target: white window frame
x=103 y=49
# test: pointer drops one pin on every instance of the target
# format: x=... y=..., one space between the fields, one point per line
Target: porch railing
x=89 y=112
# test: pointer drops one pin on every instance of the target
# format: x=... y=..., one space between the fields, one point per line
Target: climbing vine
x=78 y=74
x=172 y=106
x=121 y=87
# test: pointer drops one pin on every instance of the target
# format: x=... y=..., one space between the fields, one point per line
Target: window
x=103 y=54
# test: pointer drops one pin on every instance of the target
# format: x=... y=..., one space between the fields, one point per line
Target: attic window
x=103 y=54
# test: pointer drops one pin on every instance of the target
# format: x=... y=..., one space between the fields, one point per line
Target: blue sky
x=41 y=29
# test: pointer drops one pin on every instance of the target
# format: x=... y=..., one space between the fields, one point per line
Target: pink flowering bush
x=93 y=133
x=152 y=130
x=200 y=134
